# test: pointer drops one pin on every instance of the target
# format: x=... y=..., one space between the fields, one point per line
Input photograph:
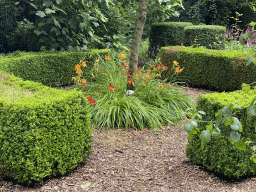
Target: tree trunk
x=142 y=15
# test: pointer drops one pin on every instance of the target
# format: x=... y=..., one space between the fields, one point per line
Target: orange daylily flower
x=178 y=70
x=159 y=66
x=169 y=85
x=144 y=81
x=159 y=74
x=175 y=63
x=163 y=85
x=130 y=81
x=77 y=67
x=165 y=68
x=90 y=100
x=111 y=87
x=147 y=75
x=124 y=66
x=79 y=71
x=108 y=57
x=83 y=81
x=124 y=60
x=84 y=64
x=127 y=74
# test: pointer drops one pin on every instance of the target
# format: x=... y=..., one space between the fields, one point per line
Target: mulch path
x=130 y=160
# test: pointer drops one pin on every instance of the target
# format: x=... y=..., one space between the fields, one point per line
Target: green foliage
x=49 y=68
x=212 y=69
x=44 y=135
x=211 y=37
x=153 y=104
x=222 y=140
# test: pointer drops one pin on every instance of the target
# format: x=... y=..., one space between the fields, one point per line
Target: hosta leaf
x=235 y=136
x=216 y=134
x=236 y=124
x=240 y=145
x=194 y=123
x=206 y=136
x=218 y=121
x=227 y=113
x=188 y=127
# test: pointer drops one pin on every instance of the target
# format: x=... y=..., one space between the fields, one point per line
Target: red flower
x=127 y=74
x=111 y=87
x=165 y=68
x=144 y=81
x=130 y=81
x=159 y=66
x=90 y=100
x=124 y=66
x=178 y=70
x=108 y=57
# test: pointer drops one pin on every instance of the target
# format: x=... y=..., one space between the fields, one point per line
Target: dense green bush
x=50 y=68
x=221 y=153
x=43 y=135
x=209 y=36
x=212 y=69
x=166 y=34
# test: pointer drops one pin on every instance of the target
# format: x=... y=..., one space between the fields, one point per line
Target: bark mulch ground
x=130 y=160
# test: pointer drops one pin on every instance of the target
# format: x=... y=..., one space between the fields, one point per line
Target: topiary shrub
x=43 y=135
x=166 y=34
x=228 y=149
x=209 y=36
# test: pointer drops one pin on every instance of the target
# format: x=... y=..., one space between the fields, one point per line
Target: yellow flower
x=175 y=63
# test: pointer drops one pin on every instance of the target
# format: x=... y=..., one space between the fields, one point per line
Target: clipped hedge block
x=209 y=36
x=44 y=134
x=220 y=155
x=166 y=34
x=50 y=69
x=206 y=68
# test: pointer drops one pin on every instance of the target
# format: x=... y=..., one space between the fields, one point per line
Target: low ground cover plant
x=153 y=104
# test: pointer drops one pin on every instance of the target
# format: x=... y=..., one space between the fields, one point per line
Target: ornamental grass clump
x=153 y=104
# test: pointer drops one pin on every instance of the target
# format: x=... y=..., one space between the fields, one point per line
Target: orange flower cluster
x=111 y=87
x=90 y=100
x=108 y=57
x=177 y=67
x=79 y=72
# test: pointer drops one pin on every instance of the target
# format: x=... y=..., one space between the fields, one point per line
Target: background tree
x=155 y=6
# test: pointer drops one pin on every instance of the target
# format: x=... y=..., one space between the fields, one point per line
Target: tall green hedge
x=209 y=36
x=211 y=69
x=51 y=69
x=42 y=135
x=166 y=34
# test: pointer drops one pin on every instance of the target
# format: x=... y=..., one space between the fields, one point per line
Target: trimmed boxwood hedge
x=53 y=69
x=43 y=135
x=220 y=155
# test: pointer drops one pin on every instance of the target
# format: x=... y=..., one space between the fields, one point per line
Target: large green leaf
x=206 y=136
x=40 y=13
x=188 y=127
x=235 y=136
x=242 y=38
x=236 y=124
x=240 y=145
x=227 y=113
